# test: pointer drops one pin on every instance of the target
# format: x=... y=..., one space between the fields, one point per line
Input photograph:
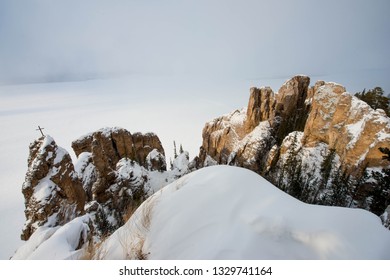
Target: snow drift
x=224 y=212
x=55 y=243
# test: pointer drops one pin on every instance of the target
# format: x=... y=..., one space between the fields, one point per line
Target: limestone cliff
x=348 y=125
x=325 y=113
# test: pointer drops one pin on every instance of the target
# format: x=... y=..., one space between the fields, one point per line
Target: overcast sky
x=167 y=48
x=49 y=40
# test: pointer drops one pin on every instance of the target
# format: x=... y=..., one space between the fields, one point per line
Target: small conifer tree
x=341 y=183
x=381 y=188
x=174 y=150
x=375 y=98
x=327 y=165
x=181 y=149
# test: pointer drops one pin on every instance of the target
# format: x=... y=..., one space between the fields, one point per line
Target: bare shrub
x=95 y=251
x=132 y=236
x=130 y=209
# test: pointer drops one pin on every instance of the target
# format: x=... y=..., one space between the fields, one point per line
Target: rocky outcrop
x=245 y=137
x=348 y=125
x=225 y=140
x=286 y=110
x=52 y=190
x=109 y=145
x=325 y=113
x=79 y=205
x=102 y=150
x=261 y=107
x=315 y=143
x=155 y=161
x=115 y=167
x=292 y=95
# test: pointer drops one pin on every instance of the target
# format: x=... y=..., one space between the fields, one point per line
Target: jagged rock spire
x=52 y=191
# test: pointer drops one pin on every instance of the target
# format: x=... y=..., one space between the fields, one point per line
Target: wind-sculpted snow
x=51 y=243
x=224 y=212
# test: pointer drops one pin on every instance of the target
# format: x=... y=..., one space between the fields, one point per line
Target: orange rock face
x=349 y=125
x=326 y=114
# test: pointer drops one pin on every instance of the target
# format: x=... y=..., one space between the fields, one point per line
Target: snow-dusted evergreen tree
x=326 y=166
x=174 y=150
x=103 y=225
x=171 y=163
x=375 y=98
x=341 y=184
x=326 y=171
x=293 y=162
x=293 y=178
x=359 y=193
x=381 y=188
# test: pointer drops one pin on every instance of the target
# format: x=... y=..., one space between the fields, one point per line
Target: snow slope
x=225 y=212
x=55 y=243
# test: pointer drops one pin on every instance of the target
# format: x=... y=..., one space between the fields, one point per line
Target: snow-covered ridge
x=223 y=212
x=232 y=213
x=56 y=243
x=107 y=131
